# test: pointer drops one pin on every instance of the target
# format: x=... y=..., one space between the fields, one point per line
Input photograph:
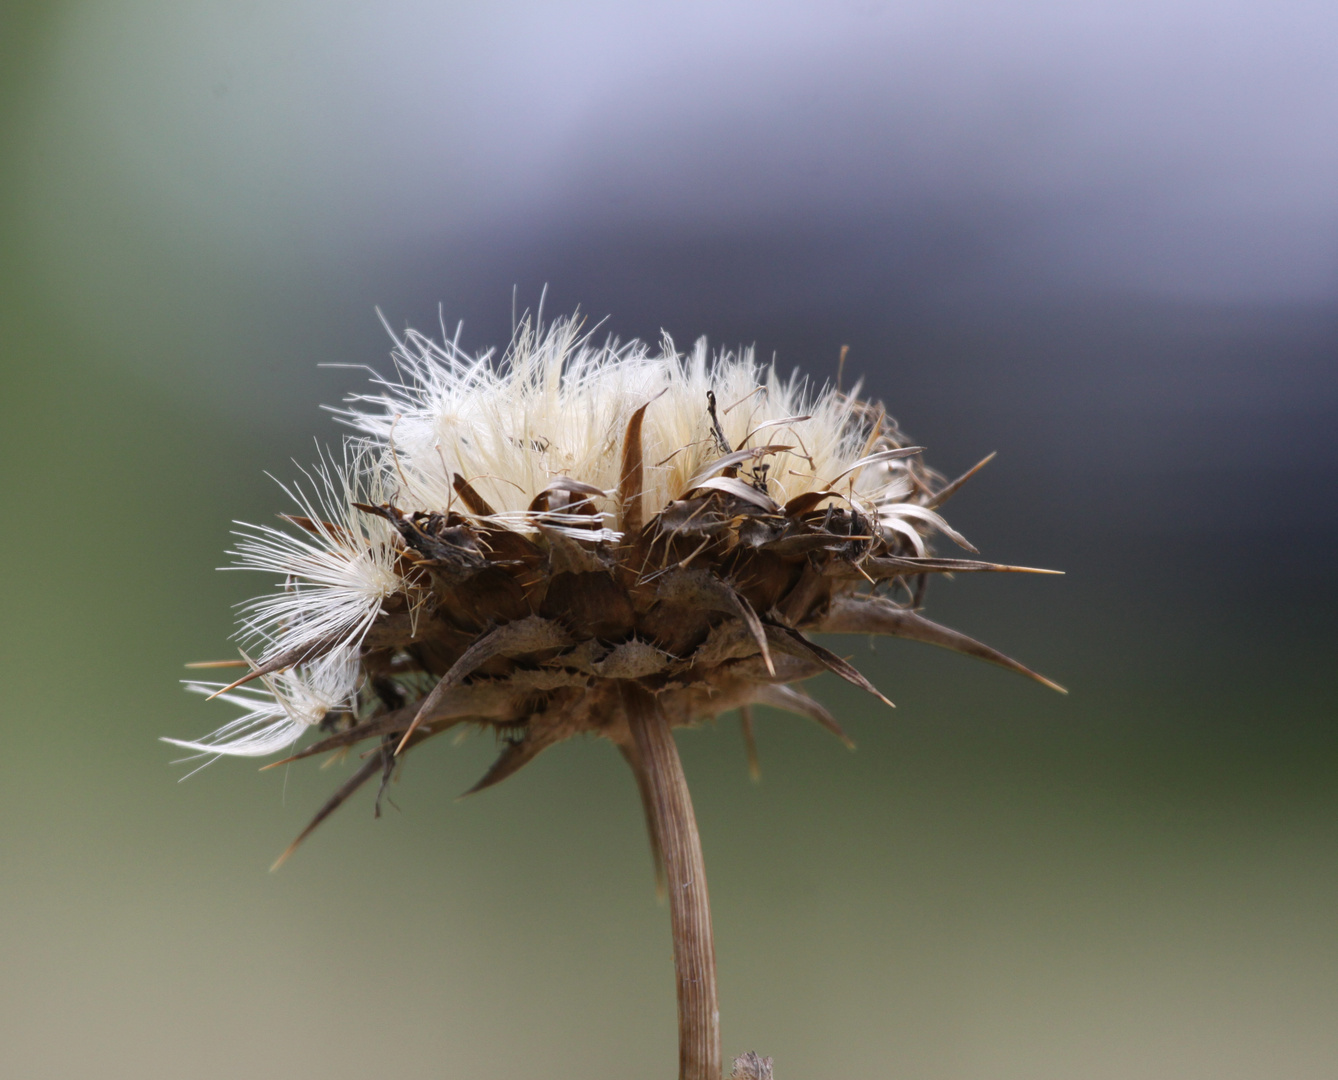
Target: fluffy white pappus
x=337 y=563
x=900 y=518
x=557 y=405
x=276 y=714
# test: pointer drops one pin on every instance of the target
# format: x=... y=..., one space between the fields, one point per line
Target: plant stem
x=689 y=906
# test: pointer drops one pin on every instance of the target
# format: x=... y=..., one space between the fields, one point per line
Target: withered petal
x=801 y=543
x=738 y=457
x=878 y=615
x=530 y=634
x=489 y=700
x=792 y=700
x=631 y=479
x=633 y=759
x=732 y=485
x=874 y=459
x=835 y=664
x=779 y=422
x=944 y=494
x=703 y=589
x=514 y=757
x=299 y=654
x=882 y=567
x=341 y=795
x=568 y=555
x=807 y=500
x=472 y=499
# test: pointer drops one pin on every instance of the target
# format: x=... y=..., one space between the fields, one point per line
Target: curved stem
x=689 y=907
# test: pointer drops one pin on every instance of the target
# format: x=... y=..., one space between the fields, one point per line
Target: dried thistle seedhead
x=583 y=540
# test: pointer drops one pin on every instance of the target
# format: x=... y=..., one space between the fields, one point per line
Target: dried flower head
x=585 y=539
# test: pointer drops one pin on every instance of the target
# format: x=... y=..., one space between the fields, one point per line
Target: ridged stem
x=689 y=906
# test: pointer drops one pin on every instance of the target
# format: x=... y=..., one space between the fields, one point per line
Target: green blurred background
x=1102 y=240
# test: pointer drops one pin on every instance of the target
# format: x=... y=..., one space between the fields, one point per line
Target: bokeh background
x=1098 y=237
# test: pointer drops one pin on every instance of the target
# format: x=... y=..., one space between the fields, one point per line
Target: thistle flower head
x=513 y=542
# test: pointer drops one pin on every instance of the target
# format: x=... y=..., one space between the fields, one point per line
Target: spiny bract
x=506 y=543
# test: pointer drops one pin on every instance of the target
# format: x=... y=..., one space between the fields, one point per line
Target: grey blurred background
x=1100 y=238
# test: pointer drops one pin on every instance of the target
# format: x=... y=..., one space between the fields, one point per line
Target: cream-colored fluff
x=558 y=405
x=277 y=713
x=334 y=573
